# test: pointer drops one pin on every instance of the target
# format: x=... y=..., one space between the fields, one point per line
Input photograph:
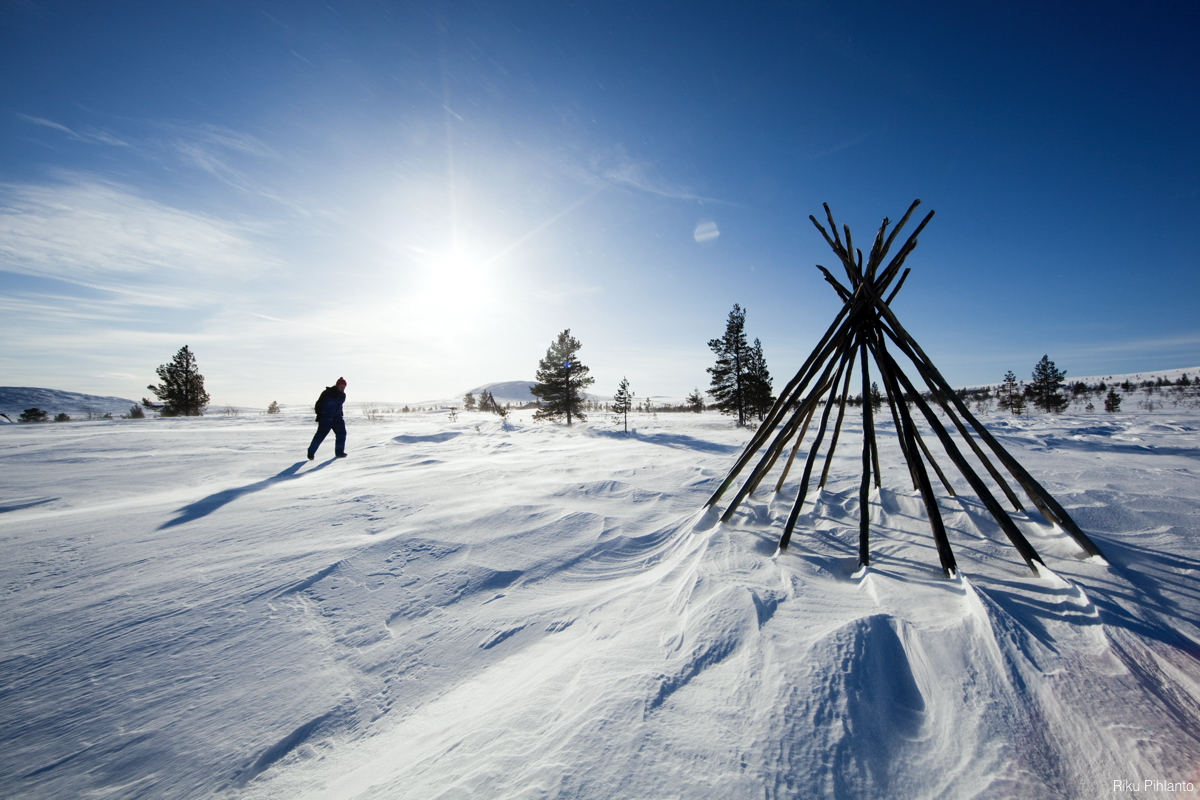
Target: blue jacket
x=329 y=404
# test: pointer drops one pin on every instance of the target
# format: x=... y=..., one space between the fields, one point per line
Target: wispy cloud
x=210 y=148
x=302 y=324
x=1165 y=344
x=101 y=234
x=617 y=168
x=91 y=135
x=844 y=145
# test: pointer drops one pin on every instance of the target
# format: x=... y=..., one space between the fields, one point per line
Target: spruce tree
x=623 y=401
x=561 y=380
x=1046 y=383
x=758 y=382
x=469 y=401
x=695 y=401
x=728 y=387
x=1112 y=401
x=182 y=388
x=1008 y=393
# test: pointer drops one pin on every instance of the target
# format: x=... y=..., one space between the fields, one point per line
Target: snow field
x=478 y=609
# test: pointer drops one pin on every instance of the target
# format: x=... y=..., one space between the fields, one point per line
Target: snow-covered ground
x=473 y=609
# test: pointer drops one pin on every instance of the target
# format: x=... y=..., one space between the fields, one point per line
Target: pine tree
x=758 y=382
x=1008 y=393
x=623 y=401
x=876 y=397
x=273 y=408
x=182 y=388
x=1046 y=383
x=695 y=401
x=1112 y=401
x=728 y=386
x=469 y=401
x=561 y=380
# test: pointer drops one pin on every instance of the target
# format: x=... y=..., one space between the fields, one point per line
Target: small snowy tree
x=1046 y=383
x=728 y=386
x=695 y=401
x=758 y=382
x=469 y=401
x=623 y=401
x=182 y=387
x=561 y=379
x=34 y=415
x=273 y=408
x=1011 y=396
x=1112 y=401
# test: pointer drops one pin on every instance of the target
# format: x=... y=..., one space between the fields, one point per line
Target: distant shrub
x=1112 y=402
x=34 y=415
x=62 y=416
x=273 y=408
x=137 y=413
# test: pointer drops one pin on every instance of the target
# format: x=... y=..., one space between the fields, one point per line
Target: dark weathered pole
x=794 y=388
x=776 y=446
x=932 y=511
x=1044 y=501
x=792 y=456
x=864 y=489
x=939 y=395
x=837 y=428
x=980 y=488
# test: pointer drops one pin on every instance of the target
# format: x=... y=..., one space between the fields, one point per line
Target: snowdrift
x=480 y=609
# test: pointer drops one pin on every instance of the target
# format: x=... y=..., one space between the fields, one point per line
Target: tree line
x=740 y=385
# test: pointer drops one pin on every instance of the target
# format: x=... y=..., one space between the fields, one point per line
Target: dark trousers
x=338 y=426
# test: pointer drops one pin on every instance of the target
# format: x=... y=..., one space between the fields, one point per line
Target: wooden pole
x=932 y=511
x=938 y=395
x=777 y=445
x=837 y=428
x=799 y=441
x=796 y=386
x=864 y=489
x=980 y=488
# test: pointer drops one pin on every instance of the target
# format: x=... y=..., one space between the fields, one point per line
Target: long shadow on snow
x=30 y=504
x=207 y=505
x=1115 y=600
x=1131 y=448
x=679 y=441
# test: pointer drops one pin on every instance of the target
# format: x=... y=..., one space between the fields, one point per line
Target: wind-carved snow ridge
x=472 y=609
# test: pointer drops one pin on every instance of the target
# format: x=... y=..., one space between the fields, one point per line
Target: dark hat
x=340 y=382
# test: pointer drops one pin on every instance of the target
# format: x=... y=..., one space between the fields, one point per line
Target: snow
x=474 y=608
x=15 y=399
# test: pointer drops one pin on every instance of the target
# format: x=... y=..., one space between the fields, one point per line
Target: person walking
x=329 y=417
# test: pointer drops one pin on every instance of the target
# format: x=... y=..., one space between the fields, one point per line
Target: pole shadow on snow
x=207 y=505
x=679 y=441
x=29 y=504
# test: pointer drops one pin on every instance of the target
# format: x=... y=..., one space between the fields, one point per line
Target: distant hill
x=515 y=392
x=15 y=399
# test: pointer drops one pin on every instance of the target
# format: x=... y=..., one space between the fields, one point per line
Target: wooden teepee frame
x=863 y=328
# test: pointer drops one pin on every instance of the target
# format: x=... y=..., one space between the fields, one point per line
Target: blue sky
x=420 y=196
